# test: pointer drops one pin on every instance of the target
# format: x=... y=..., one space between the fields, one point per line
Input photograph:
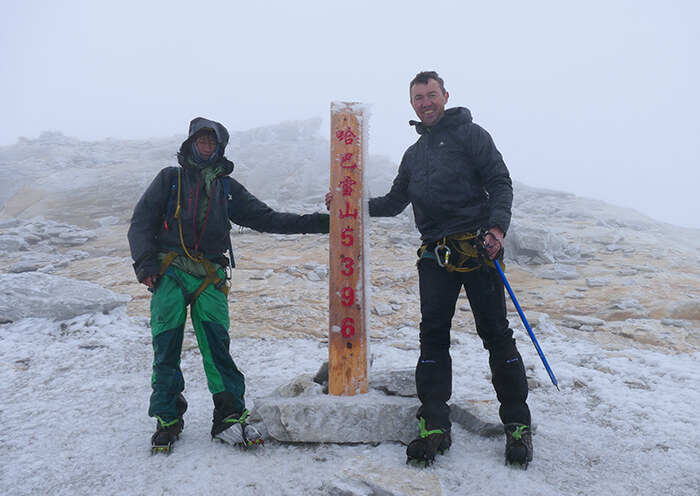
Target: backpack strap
x=174 y=190
x=226 y=183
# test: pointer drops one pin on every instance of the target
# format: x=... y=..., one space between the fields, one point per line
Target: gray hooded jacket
x=454 y=177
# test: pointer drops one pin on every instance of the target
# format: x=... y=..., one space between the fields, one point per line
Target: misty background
x=600 y=100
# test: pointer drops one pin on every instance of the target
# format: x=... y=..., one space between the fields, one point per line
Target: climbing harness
x=211 y=277
x=198 y=257
x=466 y=256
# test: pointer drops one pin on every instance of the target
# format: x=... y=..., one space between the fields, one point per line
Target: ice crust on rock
x=46 y=296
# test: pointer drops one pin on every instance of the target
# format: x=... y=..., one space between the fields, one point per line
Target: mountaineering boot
x=429 y=443
x=518 y=445
x=166 y=434
x=235 y=431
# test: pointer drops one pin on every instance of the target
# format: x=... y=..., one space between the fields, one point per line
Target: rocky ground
x=591 y=269
x=613 y=296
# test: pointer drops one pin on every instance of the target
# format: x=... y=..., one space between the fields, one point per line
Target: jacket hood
x=199 y=123
x=453 y=117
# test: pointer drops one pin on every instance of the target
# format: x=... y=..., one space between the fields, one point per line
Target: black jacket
x=454 y=177
x=154 y=228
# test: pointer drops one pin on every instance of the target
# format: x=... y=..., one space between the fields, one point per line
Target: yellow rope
x=211 y=277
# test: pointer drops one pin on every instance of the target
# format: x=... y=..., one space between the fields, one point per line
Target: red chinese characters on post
x=347 y=296
x=346 y=185
x=347 y=157
x=347 y=212
x=346 y=136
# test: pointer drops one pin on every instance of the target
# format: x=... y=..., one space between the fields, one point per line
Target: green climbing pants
x=210 y=319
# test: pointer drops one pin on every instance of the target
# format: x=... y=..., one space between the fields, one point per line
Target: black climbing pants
x=439 y=290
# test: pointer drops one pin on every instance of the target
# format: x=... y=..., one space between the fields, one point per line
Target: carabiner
x=447 y=255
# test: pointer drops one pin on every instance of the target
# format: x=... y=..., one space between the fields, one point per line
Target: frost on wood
x=349 y=281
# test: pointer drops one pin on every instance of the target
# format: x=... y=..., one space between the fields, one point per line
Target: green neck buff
x=209 y=174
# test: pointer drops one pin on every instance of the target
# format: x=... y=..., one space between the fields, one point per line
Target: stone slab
x=363 y=477
x=299 y=412
x=366 y=418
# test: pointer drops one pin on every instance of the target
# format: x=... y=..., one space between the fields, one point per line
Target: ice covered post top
x=349 y=258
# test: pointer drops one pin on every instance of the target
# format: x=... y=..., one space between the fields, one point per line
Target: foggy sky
x=596 y=98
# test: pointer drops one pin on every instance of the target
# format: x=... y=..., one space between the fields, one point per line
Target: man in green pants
x=178 y=236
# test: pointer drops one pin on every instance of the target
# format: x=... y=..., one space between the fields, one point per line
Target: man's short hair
x=424 y=77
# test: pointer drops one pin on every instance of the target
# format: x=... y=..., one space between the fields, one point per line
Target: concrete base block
x=300 y=412
x=365 y=418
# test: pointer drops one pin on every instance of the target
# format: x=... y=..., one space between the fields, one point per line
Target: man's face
x=429 y=101
x=206 y=146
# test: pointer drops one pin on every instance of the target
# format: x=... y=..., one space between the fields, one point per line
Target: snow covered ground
x=74 y=398
x=618 y=298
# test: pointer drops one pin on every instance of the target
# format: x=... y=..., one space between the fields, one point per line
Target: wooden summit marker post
x=348 y=297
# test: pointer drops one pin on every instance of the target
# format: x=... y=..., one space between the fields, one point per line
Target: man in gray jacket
x=461 y=194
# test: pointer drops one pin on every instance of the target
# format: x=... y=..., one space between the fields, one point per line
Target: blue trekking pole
x=520 y=312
